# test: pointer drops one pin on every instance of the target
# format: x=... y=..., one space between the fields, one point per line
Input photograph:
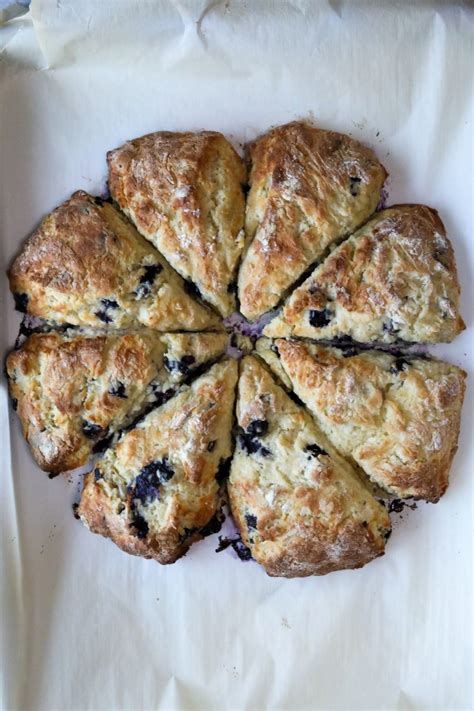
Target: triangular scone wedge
x=159 y=489
x=73 y=392
x=183 y=191
x=397 y=417
x=87 y=265
x=299 y=506
x=395 y=279
x=308 y=189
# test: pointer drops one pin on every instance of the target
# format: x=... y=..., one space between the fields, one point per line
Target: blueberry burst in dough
x=308 y=189
x=160 y=488
x=394 y=280
x=74 y=391
x=183 y=192
x=300 y=508
x=86 y=265
x=397 y=417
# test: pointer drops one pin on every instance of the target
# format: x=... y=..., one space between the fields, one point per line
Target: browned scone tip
x=397 y=417
x=393 y=280
x=299 y=507
x=308 y=188
x=183 y=192
x=86 y=265
x=72 y=392
x=159 y=488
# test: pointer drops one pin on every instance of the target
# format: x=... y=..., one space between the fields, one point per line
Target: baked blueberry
x=146 y=487
x=211 y=445
x=396 y=506
x=21 y=302
x=138 y=524
x=251 y=445
x=104 y=312
x=214 y=525
x=97 y=474
x=238 y=546
x=315 y=450
x=354 y=185
x=161 y=396
x=147 y=279
x=179 y=366
x=109 y=303
x=399 y=365
x=319 y=318
x=92 y=431
x=118 y=389
x=251 y=521
x=257 y=428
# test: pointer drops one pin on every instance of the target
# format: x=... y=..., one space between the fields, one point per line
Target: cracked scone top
x=183 y=191
x=86 y=265
x=395 y=279
x=299 y=506
x=159 y=489
x=308 y=189
x=397 y=417
x=72 y=392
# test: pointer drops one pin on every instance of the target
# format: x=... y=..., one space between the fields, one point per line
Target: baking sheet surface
x=83 y=625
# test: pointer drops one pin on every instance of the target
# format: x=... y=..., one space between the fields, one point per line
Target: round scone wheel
x=130 y=357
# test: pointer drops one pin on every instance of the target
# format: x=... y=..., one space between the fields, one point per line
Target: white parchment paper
x=84 y=626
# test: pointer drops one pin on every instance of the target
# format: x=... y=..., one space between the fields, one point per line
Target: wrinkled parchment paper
x=84 y=626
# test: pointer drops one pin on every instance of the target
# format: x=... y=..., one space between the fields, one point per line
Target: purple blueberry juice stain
x=383 y=200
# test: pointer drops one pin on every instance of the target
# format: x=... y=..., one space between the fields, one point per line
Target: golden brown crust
x=395 y=279
x=309 y=188
x=86 y=265
x=298 y=505
x=73 y=391
x=398 y=418
x=183 y=192
x=155 y=492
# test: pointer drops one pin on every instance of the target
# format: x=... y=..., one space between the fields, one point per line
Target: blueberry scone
x=160 y=488
x=398 y=418
x=299 y=506
x=74 y=392
x=86 y=265
x=183 y=192
x=395 y=279
x=308 y=189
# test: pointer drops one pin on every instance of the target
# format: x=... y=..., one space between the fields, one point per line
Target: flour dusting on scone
x=160 y=488
x=397 y=417
x=299 y=506
x=394 y=280
x=86 y=265
x=183 y=192
x=308 y=189
x=73 y=392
